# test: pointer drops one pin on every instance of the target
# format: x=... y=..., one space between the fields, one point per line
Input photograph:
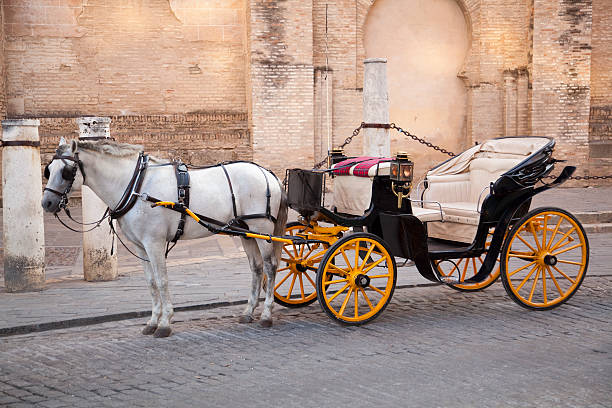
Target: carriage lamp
x=401 y=172
x=334 y=156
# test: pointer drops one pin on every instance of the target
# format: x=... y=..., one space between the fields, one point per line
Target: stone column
x=376 y=107
x=98 y=263
x=23 y=227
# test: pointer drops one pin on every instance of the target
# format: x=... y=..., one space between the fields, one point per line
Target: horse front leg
x=157 y=260
x=256 y=264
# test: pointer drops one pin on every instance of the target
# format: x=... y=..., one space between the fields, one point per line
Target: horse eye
x=67 y=173
x=47 y=173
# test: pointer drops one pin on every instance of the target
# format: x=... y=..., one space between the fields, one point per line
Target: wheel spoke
x=554 y=234
x=521 y=268
x=380 y=276
x=376 y=289
x=372 y=265
x=365 y=258
x=346 y=299
x=535 y=235
x=356 y=303
x=555 y=281
x=526 y=278
x=348 y=264
x=288 y=260
x=564 y=275
x=535 y=282
x=544 y=244
x=365 y=296
x=309 y=252
x=338 y=269
x=331 y=282
x=283 y=280
x=562 y=239
x=357 y=255
x=291 y=286
x=302 y=286
x=544 y=285
x=525 y=242
x=288 y=253
x=518 y=255
x=570 y=262
x=338 y=292
x=567 y=249
x=310 y=280
x=283 y=269
x=302 y=248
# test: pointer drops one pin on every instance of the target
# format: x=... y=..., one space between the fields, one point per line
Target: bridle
x=68 y=174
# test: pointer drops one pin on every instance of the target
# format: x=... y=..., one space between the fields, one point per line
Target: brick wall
x=600 y=129
x=561 y=76
x=281 y=83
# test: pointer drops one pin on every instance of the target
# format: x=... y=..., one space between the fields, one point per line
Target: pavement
x=210 y=272
x=78 y=344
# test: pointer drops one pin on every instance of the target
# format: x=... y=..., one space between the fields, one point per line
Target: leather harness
x=132 y=193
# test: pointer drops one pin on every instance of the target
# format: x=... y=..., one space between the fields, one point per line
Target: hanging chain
x=418 y=139
x=583 y=177
x=346 y=142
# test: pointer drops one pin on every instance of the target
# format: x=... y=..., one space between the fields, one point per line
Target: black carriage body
x=508 y=199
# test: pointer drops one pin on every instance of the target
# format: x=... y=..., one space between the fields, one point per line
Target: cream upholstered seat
x=461 y=184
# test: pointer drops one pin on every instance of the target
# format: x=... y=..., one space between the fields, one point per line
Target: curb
x=88 y=321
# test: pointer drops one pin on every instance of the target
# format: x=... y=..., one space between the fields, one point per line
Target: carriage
x=465 y=225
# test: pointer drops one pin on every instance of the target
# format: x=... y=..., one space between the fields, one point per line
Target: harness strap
x=182 y=185
x=130 y=194
x=229 y=181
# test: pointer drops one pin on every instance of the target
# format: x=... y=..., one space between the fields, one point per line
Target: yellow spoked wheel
x=295 y=278
x=544 y=258
x=465 y=268
x=356 y=279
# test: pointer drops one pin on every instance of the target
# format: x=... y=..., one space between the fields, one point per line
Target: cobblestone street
x=432 y=347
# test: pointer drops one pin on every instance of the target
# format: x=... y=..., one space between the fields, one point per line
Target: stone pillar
x=376 y=107
x=23 y=227
x=98 y=263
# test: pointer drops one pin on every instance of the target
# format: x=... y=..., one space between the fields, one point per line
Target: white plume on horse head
x=62 y=141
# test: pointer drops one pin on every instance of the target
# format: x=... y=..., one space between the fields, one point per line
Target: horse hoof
x=266 y=323
x=162 y=332
x=149 y=329
x=245 y=319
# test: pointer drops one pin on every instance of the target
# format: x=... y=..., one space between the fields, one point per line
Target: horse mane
x=110 y=147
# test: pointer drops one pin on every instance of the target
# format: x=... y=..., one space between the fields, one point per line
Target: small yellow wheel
x=295 y=277
x=356 y=279
x=465 y=268
x=544 y=258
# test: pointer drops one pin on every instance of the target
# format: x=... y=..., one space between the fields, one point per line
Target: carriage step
x=451 y=281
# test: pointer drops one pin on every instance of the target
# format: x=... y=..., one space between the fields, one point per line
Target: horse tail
x=281 y=221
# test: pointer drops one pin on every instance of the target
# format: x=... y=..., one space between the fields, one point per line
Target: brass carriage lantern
x=335 y=155
x=401 y=174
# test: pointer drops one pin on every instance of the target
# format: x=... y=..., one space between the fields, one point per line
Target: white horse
x=107 y=169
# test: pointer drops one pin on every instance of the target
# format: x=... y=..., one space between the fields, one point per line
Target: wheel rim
x=465 y=268
x=358 y=280
x=546 y=259
x=295 y=280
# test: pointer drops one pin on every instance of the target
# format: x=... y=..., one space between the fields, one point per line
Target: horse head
x=61 y=174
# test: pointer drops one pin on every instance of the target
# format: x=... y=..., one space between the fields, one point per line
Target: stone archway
x=426 y=43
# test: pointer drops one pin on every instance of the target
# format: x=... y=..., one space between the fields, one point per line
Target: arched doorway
x=425 y=43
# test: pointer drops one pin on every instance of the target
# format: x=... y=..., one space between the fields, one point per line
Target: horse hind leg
x=270 y=262
x=155 y=299
x=256 y=263
x=157 y=259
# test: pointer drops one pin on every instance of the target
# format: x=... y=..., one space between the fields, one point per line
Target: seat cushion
x=426 y=214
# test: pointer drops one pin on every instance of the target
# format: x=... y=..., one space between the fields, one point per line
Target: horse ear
x=74 y=146
x=62 y=141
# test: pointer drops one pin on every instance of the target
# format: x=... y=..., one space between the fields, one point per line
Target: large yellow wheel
x=295 y=278
x=544 y=258
x=465 y=268
x=356 y=279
